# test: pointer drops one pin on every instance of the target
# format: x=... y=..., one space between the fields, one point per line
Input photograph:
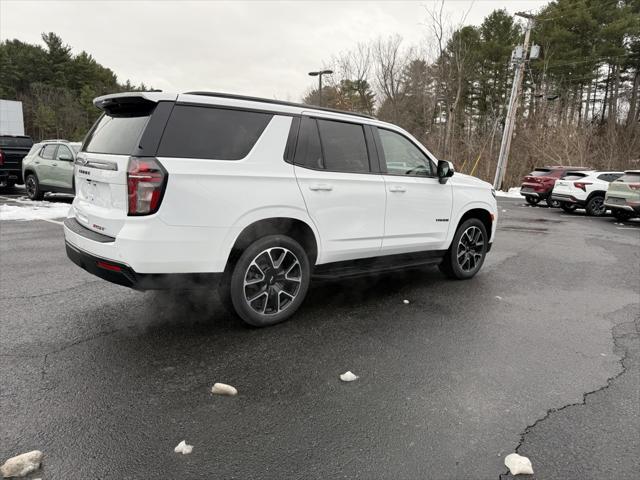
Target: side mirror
x=65 y=158
x=445 y=170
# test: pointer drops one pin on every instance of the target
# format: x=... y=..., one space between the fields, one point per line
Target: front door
x=62 y=168
x=418 y=206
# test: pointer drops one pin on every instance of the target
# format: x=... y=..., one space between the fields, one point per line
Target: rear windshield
x=20 y=142
x=574 y=176
x=211 y=133
x=629 y=178
x=540 y=172
x=118 y=135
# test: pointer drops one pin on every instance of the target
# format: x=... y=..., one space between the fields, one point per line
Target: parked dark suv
x=538 y=185
x=13 y=149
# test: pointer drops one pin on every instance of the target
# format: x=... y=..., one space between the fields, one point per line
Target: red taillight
x=1 y=158
x=582 y=185
x=109 y=266
x=146 y=180
x=634 y=186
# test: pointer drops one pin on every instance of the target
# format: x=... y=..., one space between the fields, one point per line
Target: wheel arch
x=482 y=214
x=595 y=193
x=295 y=228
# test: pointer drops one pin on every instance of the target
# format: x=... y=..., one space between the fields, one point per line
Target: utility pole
x=510 y=119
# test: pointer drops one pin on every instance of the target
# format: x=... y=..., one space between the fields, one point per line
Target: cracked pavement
x=106 y=381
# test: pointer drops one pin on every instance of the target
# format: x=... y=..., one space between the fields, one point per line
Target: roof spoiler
x=128 y=102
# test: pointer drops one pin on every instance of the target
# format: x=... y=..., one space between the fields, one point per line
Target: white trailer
x=11 y=119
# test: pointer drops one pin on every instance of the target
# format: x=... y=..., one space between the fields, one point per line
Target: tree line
x=579 y=102
x=56 y=88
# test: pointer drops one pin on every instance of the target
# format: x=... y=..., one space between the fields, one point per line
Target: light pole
x=319 y=74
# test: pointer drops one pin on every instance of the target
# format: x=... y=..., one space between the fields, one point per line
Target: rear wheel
x=568 y=207
x=33 y=187
x=595 y=206
x=532 y=200
x=622 y=215
x=551 y=203
x=269 y=281
x=467 y=251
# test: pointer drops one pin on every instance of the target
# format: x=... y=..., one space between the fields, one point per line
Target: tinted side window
x=402 y=156
x=48 y=151
x=343 y=146
x=212 y=133
x=309 y=152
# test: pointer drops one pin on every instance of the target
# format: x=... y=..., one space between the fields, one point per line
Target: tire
x=551 y=203
x=622 y=215
x=595 y=206
x=286 y=273
x=467 y=251
x=32 y=186
x=568 y=207
x=532 y=200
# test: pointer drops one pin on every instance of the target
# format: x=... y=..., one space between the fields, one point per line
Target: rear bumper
x=124 y=275
x=542 y=195
x=564 y=198
x=626 y=208
x=10 y=175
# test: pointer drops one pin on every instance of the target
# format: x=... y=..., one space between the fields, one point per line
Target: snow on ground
x=30 y=210
x=513 y=192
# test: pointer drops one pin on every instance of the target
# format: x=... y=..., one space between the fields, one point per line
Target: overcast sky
x=262 y=48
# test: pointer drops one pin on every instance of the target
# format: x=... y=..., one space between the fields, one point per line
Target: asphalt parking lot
x=537 y=354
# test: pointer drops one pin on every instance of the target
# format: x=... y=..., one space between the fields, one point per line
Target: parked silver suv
x=48 y=167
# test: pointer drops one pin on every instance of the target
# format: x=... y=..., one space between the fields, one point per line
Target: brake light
x=146 y=181
x=582 y=185
x=1 y=158
x=634 y=186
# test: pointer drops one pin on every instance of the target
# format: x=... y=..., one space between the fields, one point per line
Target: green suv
x=623 y=196
x=48 y=167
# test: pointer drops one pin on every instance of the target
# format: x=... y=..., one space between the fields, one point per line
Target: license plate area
x=95 y=193
x=526 y=190
x=616 y=201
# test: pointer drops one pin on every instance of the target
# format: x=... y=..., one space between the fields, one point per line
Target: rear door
x=62 y=168
x=345 y=200
x=126 y=129
x=418 y=206
x=44 y=164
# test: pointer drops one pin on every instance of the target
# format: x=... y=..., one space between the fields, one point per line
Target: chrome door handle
x=397 y=188
x=320 y=186
x=37 y=162
x=54 y=164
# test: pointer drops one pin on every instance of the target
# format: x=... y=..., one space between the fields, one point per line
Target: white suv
x=584 y=189
x=258 y=196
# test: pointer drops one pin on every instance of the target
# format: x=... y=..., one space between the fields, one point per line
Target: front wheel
x=568 y=207
x=33 y=187
x=269 y=281
x=532 y=200
x=596 y=207
x=467 y=251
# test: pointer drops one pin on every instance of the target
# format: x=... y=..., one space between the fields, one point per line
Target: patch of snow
x=513 y=192
x=223 y=389
x=183 y=448
x=30 y=210
x=348 y=377
x=518 y=464
x=498 y=297
x=22 y=465
x=406 y=302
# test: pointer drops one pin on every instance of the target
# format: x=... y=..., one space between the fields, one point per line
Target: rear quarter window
x=211 y=133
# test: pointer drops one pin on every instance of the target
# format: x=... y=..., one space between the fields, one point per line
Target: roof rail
x=276 y=102
x=55 y=140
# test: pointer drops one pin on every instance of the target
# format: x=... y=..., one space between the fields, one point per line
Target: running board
x=376 y=265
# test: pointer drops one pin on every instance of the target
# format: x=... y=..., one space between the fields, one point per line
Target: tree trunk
x=633 y=102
